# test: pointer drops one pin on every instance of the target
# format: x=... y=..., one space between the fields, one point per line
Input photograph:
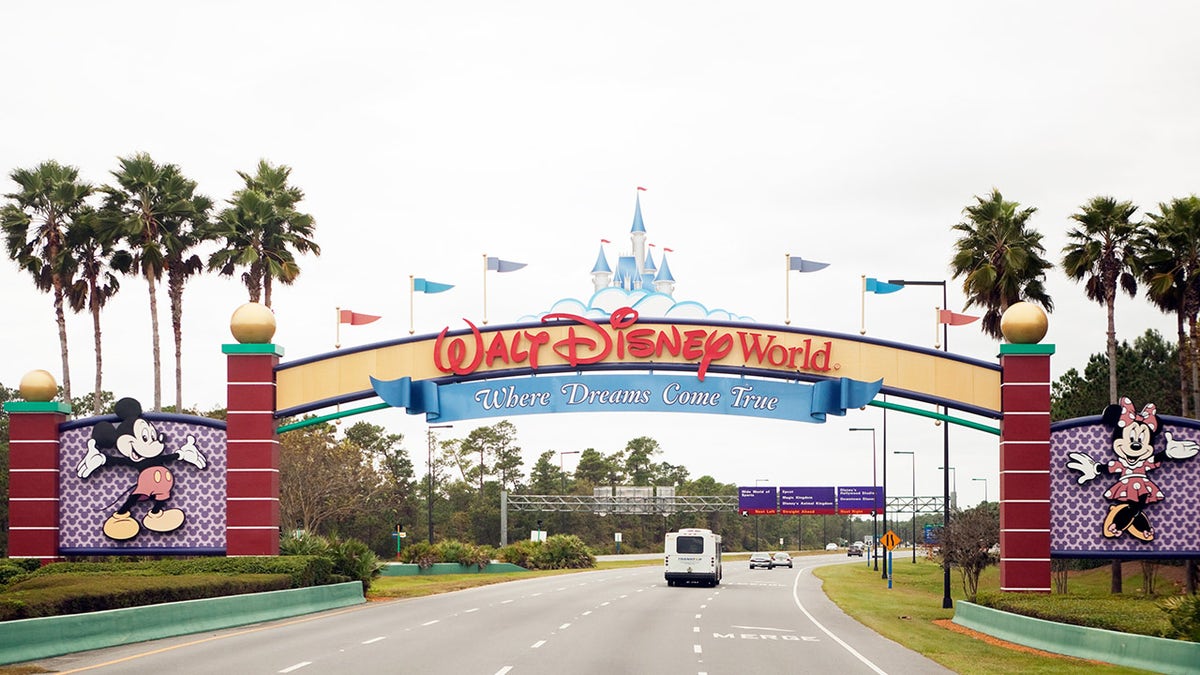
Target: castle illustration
x=636 y=270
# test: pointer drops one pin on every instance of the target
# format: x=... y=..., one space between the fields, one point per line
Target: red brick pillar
x=252 y=492
x=33 y=478
x=1025 y=467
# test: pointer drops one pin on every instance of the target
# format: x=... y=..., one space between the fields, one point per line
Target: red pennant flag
x=641 y=188
x=651 y=245
x=946 y=316
x=356 y=319
x=605 y=241
x=669 y=250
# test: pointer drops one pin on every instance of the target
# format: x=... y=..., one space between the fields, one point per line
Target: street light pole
x=429 y=464
x=984 y=488
x=562 y=521
x=947 y=603
x=914 y=500
x=874 y=497
x=954 y=483
x=757 y=542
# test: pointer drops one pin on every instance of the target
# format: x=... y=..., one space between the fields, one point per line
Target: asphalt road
x=614 y=621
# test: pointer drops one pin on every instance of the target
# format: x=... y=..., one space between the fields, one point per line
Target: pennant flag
x=669 y=250
x=881 y=287
x=356 y=319
x=641 y=188
x=425 y=286
x=946 y=316
x=797 y=264
x=498 y=265
x=605 y=241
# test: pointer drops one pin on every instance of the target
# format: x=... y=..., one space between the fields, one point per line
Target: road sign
x=890 y=540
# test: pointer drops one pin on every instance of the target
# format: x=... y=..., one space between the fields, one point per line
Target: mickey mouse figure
x=141 y=446
x=1133 y=443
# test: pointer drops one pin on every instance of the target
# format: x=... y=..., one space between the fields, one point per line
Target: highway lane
x=614 y=621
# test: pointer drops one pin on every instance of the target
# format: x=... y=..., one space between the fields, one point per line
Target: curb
x=42 y=637
x=1125 y=649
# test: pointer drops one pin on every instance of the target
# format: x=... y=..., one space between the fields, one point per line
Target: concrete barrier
x=1125 y=649
x=42 y=637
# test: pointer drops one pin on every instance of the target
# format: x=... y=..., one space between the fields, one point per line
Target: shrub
x=355 y=560
x=451 y=550
x=421 y=554
x=563 y=551
x=305 y=544
x=1183 y=613
x=519 y=553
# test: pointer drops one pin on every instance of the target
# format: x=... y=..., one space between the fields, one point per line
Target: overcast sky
x=426 y=134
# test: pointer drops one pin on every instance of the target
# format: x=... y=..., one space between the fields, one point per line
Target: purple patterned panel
x=1079 y=510
x=86 y=503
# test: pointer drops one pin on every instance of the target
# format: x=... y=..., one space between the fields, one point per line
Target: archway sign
x=63 y=493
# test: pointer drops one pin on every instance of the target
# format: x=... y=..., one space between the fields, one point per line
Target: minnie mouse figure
x=141 y=446
x=1133 y=443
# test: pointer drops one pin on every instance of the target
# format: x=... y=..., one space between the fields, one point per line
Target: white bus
x=692 y=554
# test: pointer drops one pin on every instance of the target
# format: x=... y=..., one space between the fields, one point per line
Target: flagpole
x=787 y=288
x=485 y=289
x=863 y=308
x=337 y=340
x=411 y=324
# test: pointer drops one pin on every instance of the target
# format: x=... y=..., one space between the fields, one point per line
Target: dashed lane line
x=374 y=639
x=295 y=667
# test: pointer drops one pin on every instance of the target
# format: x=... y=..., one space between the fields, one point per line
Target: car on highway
x=856 y=549
x=831 y=546
x=782 y=559
x=761 y=560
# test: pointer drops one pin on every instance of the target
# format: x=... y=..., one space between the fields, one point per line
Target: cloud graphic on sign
x=648 y=304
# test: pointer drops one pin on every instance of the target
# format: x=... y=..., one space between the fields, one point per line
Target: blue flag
x=796 y=264
x=424 y=286
x=498 y=265
x=881 y=287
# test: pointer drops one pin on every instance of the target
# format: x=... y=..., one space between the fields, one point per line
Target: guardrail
x=42 y=637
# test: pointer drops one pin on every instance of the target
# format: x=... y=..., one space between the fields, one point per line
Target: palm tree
x=999 y=259
x=262 y=232
x=1170 y=252
x=1102 y=250
x=182 y=264
x=93 y=248
x=49 y=199
x=150 y=202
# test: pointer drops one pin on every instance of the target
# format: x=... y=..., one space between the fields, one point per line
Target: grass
x=908 y=611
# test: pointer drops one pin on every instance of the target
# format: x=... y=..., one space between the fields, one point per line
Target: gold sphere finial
x=38 y=386
x=1024 y=323
x=253 y=323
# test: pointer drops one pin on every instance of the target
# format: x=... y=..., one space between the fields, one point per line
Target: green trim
x=37 y=406
x=264 y=348
x=1007 y=348
x=937 y=416
x=1153 y=654
x=42 y=637
x=331 y=416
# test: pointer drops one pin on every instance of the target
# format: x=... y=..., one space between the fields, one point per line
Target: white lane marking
x=698 y=616
x=505 y=602
x=430 y=623
x=564 y=626
x=796 y=599
x=696 y=649
x=537 y=644
x=375 y=639
x=561 y=588
x=695 y=629
x=622 y=596
x=587 y=612
x=535 y=595
x=473 y=609
x=786 y=630
x=604 y=604
x=298 y=666
x=503 y=670
x=703 y=606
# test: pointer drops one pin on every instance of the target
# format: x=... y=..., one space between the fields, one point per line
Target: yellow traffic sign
x=890 y=540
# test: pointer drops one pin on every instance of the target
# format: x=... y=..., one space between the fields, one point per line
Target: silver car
x=761 y=560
